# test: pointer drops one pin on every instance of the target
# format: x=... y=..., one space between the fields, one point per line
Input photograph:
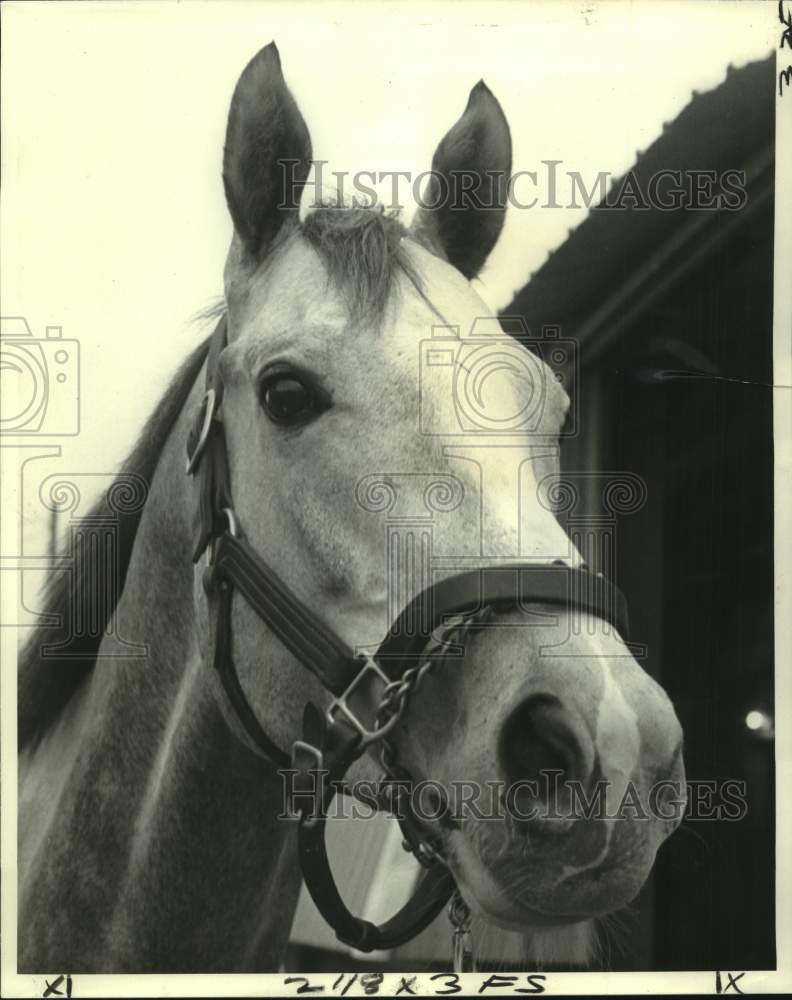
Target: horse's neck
x=151 y=834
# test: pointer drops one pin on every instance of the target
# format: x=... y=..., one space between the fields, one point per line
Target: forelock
x=363 y=252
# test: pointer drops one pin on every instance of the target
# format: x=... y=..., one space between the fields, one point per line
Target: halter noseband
x=331 y=741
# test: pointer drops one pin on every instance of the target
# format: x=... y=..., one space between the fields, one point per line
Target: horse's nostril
x=539 y=737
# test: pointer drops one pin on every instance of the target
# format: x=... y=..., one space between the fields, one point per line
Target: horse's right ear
x=267 y=153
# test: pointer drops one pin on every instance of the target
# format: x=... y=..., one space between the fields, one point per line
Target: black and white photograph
x=396 y=470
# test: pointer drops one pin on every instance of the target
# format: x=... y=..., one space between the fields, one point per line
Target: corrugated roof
x=730 y=127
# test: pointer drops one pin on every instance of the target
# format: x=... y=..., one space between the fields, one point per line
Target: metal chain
x=397 y=694
x=460 y=918
x=394 y=697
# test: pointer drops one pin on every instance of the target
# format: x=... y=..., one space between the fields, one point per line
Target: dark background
x=672 y=314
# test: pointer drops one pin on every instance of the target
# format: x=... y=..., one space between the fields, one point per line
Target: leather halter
x=333 y=740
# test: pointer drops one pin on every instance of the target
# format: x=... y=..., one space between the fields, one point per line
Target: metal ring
x=233 y=523
x=459 y=912
x=375 y=735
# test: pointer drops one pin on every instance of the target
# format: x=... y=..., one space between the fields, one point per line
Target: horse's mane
x=362 y=251
x=47 y=683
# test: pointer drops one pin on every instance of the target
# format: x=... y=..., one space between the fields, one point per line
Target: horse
x=152 y=832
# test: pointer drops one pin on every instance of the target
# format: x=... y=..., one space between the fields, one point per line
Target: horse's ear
x=464 y=204
x=267 y=153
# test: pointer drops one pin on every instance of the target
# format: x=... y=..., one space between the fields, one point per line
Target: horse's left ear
x=464 y=204
x=267 y=153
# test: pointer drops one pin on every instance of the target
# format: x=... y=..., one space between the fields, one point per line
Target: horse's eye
x=288 y=400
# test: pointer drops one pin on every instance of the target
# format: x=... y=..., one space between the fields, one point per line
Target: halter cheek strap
x=333 y=741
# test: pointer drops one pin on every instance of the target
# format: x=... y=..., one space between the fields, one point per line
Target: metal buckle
x=308 y=818
x=209 y=404
x=340 y=704
x=233 y=531
x=300 y=746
